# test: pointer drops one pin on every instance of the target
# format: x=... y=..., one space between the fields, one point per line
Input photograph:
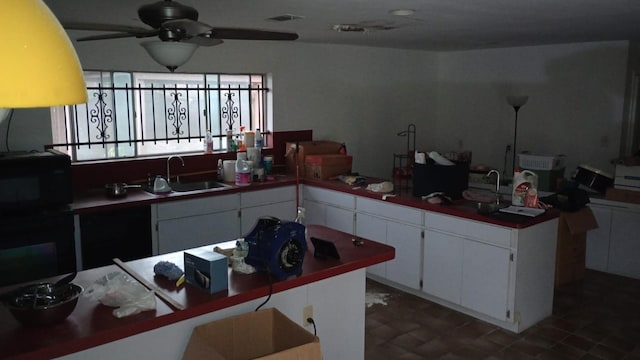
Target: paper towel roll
x=229 y=170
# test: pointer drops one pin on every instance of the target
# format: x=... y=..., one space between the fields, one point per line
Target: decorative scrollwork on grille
x=177 y=113
x=101 y=115
x=230 y=111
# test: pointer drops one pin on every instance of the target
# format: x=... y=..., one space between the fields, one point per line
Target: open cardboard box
x=571 y=248
x=266 y=334
x=319 y=147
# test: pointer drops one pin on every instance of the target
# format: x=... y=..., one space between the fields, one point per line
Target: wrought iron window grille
x=140 y=115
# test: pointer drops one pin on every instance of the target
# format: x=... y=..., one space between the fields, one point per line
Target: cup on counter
x=229 y=171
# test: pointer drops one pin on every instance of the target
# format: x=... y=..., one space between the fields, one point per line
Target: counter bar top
x=92 y=324
x=85 y=203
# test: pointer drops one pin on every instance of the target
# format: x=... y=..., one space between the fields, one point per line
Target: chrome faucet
x=169 y=168
x=497 y=184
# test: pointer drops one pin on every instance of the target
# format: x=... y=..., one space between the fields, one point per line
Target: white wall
x=576 y=97
x=365 y=96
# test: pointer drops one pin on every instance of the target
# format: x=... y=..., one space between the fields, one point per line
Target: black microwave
x=31 y=181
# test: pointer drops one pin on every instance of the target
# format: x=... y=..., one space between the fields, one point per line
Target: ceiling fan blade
x=72 y=25
x=250 y=34
x=190 y=27
x=203 y=41
x=117 y=36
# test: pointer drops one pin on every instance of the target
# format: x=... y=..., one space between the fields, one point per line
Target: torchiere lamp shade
x=38 y=64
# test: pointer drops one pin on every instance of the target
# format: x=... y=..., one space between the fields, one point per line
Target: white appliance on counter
x=627 y=177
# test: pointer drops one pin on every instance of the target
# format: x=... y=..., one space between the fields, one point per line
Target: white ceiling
x=436 y=25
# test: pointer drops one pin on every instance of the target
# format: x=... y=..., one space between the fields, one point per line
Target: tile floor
x=595 y=319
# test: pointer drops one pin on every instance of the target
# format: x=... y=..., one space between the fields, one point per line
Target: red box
x=327 y=166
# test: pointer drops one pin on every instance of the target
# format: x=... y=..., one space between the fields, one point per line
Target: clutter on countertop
x=168 y=269
x=206 y=270
x=118 y=290
x=569 y=197
x=352 y=180
x=437 y=198
x=383 y=187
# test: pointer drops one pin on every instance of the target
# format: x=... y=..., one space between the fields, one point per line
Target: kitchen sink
x=197 y=185
x=193 y=186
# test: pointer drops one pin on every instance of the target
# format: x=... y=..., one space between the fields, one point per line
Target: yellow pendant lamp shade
x=38 y=64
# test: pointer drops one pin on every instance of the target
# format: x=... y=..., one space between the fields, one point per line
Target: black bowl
x=43 y=304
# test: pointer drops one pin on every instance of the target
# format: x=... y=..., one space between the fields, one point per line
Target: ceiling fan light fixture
x=39 y=66
x=170 y=54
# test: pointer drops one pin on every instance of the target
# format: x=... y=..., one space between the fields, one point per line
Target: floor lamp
x=516 y=102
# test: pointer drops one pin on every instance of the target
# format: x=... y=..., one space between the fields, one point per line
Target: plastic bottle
x=208 y=145
x=243 y=171
x=259 y=140
x=220 y=172
x=524 y=182
x=230 y=143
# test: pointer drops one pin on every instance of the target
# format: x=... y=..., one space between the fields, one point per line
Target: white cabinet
x=373 y=228
x=330 y=208
x=498 y=274
x=624 y=250
x=597 y=253
x=442 y=272
x=190 y=223
x=398 y=226
x=464 y=270
x=277 y=202
x=614 y=246
x=485 y=279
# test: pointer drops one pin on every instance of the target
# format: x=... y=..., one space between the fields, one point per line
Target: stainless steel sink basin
x=193 y=186
x=196 y=185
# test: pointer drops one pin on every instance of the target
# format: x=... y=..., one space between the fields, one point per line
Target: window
x=160 y=114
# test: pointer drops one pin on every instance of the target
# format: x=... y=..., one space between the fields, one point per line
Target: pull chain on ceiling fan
x=178 y=30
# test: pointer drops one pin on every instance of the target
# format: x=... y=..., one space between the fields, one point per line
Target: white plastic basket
x=539 y=162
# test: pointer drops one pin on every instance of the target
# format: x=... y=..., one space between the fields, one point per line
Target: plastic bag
x=118 y=290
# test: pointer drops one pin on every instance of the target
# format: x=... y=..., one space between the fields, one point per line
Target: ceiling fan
x=178 y=29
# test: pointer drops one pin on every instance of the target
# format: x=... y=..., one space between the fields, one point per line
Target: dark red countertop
x=92 y=324
x=460 y=208
x=97 y=200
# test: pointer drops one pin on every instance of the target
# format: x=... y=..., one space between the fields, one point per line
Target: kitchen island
x=91 y=331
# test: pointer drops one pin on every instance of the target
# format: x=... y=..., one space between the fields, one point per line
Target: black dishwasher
x=121 y=233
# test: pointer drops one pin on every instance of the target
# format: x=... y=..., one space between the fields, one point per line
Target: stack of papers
x=525 y=211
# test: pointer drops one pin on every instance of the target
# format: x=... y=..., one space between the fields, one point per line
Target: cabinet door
x=339 y=219
x=314 y=213
x=597 y=255
x=373 y=228
x=625 y=244
x=442 y=273
x=407 y=240
x=485 y=278
x=282 y=210
x=193 y=231
x=327 y=215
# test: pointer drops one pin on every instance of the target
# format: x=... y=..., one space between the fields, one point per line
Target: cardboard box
x=266 y=334
x=206 y=270
x=623 y=195
x=308 y=148
x=571 y=246
x=327 y=166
